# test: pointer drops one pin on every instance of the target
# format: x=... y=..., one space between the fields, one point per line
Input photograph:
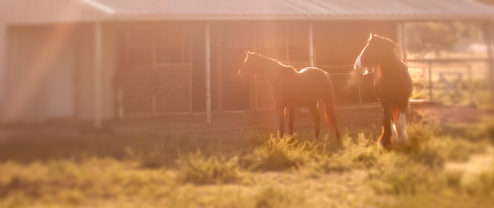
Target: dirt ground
x=349 y=117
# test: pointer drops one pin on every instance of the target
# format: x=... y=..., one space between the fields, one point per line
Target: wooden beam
x=3 y=64
x=401 y=39
x=489 y=38
x=219 y=62
x=208 y=74
x=311 y=45
x=404 y=43
x=97 y=75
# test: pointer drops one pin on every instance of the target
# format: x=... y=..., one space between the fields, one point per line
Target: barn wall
x=34 y=66
x=86 y=72
x=50 y=73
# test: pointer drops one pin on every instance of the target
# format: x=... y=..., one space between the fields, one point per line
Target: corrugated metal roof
x=297 y=9
x=59 y=11
x=47 y=11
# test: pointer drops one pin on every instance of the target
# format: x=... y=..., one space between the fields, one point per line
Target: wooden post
x=470 y=85
x=311 y=45
x=3 y=66
x=403 y=43
x=287 y=50
x=399 y=41
x=97 y=75
x=208 y=75
x=424 y=82
x=489 y=36
x=219 y=64
x=430 y=80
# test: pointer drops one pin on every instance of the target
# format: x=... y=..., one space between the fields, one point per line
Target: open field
x=450 y=163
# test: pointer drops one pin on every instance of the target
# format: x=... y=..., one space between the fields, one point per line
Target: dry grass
x=255 y=171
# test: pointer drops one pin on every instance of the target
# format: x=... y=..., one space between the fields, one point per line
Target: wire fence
x=353 y=89
x=457 y=82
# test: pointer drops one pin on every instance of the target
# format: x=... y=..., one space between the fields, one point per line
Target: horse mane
x=271 y=59
x=382 y=39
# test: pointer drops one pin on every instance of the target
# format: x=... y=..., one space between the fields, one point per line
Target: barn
x=93 y=60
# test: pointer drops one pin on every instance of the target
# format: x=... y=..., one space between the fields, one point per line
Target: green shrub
x=361 y=153
x=198 y=169
x=282 y=153
x=154 y=158
x=397 y=174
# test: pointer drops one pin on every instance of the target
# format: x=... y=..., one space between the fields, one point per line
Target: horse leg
x=281 y=118
x=385 y=139
x=291 y=118
x=400 y=128
x=317 y=119
x=330 y=114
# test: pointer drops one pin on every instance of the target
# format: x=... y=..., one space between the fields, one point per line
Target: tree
x=434 y=37
x=488 y=2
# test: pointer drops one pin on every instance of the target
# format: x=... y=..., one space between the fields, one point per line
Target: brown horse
x=392 y=85
x=292 y=89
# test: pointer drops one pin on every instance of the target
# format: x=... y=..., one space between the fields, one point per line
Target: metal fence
x=463 y=82
x=353 y=89
x=449 y=81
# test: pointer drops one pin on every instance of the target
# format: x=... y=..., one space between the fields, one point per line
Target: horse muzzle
x=360 y=69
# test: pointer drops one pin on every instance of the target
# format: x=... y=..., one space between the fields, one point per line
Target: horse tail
x=330 y=115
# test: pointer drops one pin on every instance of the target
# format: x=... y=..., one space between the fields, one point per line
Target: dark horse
x=392 y=85
x=292 y=89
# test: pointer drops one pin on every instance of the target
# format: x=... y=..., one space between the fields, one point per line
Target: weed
x=282 y=153
x=272 y=196
x=197 y=169
x=361 y=153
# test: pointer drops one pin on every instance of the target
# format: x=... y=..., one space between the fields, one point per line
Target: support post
x=3 y=66
x=403 y=43
x=470 y=85
x=311 y=45
x=97 y=76
x=401 y=38
x=489 y=36
x=208 y=75
x=219 y=74
x=424 y=82
x=430 y=80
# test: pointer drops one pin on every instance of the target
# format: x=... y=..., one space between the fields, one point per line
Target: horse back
x=314 y=82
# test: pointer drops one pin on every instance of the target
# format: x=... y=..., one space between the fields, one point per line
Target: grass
x=254 y=171
x=198 y=169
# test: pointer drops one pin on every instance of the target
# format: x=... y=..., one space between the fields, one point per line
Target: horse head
x=377 y=47
x=248 y=69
